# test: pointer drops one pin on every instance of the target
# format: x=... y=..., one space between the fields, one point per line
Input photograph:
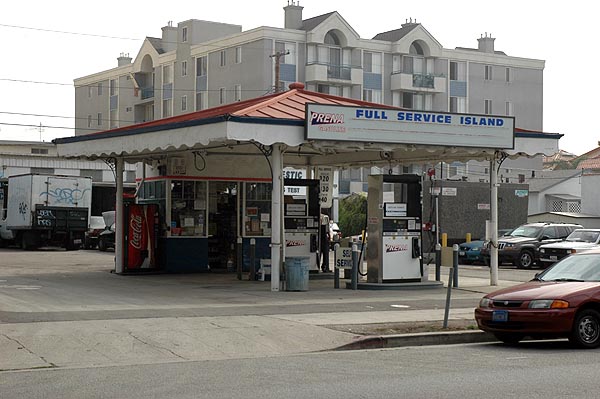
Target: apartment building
x=201 y=64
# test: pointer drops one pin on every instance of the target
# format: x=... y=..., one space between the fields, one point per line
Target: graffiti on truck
x=23 y=208
x=65 y=195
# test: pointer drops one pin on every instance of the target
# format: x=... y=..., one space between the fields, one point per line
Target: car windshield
x=583 y=236
x=584 y=267
x=97 y=222
x=526 y=231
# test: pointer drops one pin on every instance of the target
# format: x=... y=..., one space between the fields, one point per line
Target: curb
x=421 y=339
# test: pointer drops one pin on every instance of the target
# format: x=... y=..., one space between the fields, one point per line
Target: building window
x=238 y=55
x=223 y=58
x=488 y=72
x=458 y=105
x=508 y=75
x=458 y=71
x=509 y=109
x=184 y=103
x=289 y=49
x=89 y=120
x=100 y=88
x=222 y=96
x=167 y=75
x=113 y=87
x=39 y=151
x=167 y=112
x=96 y=175
x=183 y=68
x=89 y=91
x=113 y=119
x=372 y=96
x=521 y=178
x=201 y=68
x=99 y=118
x=200 y=101
x=238 y=92
x=487 y=107
x=407 y=100
x=184 y=37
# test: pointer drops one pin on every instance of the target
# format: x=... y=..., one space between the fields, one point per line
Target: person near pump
x=324 y=232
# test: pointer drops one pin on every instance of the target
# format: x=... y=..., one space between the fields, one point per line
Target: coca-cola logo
x=136 y=225
x=396 y=247
x=292 y=243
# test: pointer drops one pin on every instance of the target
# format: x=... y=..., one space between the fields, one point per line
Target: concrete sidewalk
x=84 y=316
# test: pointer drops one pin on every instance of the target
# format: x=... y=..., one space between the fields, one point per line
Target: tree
x=353 y=214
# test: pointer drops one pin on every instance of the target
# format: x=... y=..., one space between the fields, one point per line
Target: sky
x=46 y=45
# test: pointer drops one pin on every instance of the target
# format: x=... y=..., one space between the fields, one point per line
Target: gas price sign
x=325 y=174
x=343 y=258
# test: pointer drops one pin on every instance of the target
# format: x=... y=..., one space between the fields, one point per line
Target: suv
x=521 y=246
x=579 y=240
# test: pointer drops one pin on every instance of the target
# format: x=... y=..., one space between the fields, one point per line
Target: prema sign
x=380 y=125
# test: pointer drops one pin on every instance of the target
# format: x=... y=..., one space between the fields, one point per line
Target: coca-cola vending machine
x=141 y=224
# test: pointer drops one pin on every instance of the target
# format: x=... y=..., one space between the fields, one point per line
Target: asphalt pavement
x=63 y=309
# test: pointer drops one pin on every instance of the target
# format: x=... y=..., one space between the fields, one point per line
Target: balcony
x=147 y=92
x=327 y=73
x=418 y=82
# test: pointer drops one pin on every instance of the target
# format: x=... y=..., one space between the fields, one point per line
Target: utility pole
x=277 y=57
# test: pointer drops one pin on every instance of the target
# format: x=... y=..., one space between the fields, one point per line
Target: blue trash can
x=296 y=273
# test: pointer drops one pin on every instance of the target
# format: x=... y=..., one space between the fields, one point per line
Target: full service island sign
x=375 y=125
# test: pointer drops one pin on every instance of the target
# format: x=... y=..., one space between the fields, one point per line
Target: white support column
x=119 y=233
x=276 y=225
x=494 y=216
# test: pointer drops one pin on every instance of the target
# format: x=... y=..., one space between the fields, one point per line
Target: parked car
x=563 y=301
x=521 y=247
x=578 y=240
x=471 y=252
x=97 y=226
x=335 y=234
x=106 y=239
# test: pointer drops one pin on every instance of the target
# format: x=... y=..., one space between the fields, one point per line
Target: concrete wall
x=459 y=214
x=590 y=193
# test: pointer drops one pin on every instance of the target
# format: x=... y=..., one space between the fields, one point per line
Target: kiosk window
x=188 y=208
x=257 y=209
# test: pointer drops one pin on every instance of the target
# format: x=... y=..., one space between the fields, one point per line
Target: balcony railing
x=342 y=72
x=423 y=80
x=147 y=92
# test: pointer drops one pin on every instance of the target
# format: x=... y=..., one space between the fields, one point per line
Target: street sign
x=343 y=257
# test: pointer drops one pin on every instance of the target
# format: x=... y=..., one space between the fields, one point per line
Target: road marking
x=400 y=306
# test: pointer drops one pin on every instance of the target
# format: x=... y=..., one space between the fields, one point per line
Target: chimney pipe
x=293 y=15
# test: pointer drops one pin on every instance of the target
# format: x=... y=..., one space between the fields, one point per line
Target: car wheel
x=509 y=338
x=586 y=329
x=525 y=260
x=102 y=244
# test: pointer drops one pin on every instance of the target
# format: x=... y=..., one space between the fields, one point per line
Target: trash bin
x=296 y=273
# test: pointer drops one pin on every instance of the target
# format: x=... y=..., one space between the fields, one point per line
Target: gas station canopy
x=282 y=118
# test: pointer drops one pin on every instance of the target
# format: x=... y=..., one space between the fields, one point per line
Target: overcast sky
x=38 y=64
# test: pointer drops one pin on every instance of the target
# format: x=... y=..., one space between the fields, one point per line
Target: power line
x=68 y=33
x=192 y=90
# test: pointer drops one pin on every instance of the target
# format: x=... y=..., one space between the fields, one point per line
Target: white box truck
x=46 y=210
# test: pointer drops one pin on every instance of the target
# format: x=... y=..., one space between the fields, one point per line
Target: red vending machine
x=141 y=225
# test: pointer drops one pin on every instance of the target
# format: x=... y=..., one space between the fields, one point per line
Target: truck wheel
x=102 y=244
x=525 y=260
x=28 y=241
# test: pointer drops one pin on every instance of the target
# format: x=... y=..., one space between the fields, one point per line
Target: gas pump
x=394 y=229
x=302 y=219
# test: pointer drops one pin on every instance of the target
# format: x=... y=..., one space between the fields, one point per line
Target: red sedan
x=561 y=302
